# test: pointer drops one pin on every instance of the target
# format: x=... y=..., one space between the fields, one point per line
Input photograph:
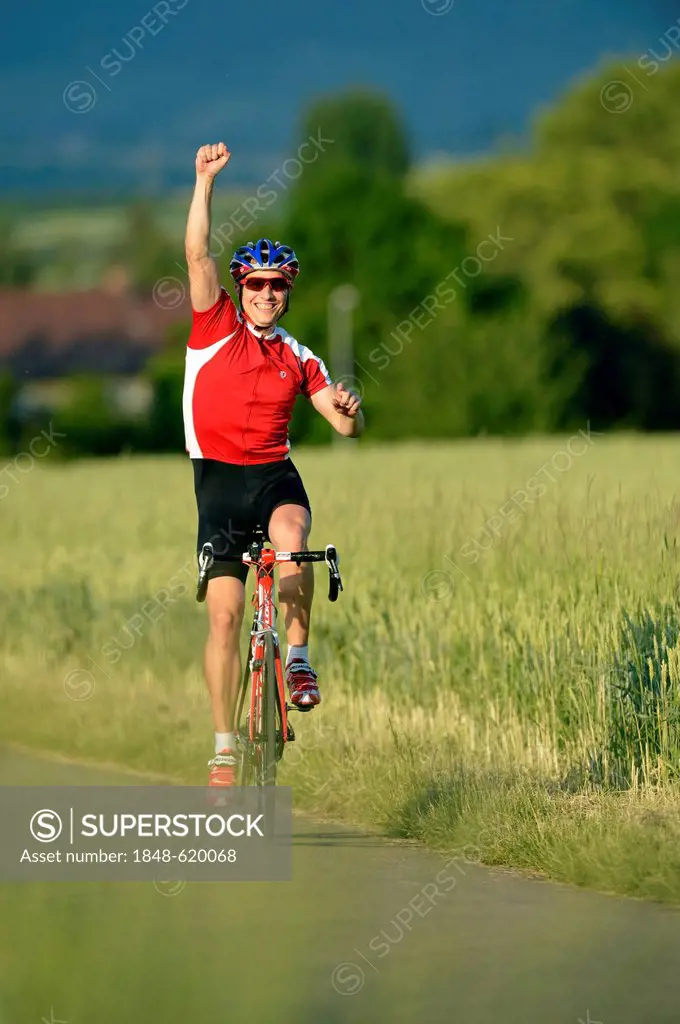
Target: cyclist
x=243 y=374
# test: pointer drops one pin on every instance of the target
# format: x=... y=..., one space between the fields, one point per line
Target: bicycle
x=265 y=730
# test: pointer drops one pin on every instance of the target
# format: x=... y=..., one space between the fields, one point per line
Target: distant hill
x=116 y=97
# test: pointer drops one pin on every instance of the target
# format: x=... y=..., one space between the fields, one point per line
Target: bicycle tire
x=247 y=765
x=268 y=758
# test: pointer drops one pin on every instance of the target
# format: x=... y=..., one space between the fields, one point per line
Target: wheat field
x=501 y=671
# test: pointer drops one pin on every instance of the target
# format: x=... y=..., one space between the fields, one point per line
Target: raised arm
x=204 y=280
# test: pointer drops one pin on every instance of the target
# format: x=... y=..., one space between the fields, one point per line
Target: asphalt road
x=366 y=931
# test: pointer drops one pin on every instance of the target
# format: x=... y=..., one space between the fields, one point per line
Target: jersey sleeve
x=315 y=376
x=215 y=323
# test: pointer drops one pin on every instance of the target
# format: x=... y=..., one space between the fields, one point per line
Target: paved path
x=365 y=932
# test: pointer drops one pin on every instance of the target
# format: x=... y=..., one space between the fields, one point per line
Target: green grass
x=524 y=703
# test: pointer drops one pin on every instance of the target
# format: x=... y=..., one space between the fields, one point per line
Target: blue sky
x=115 y=95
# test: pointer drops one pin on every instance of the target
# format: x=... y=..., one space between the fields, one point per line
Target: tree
x=17 y=269
x=9 y=426
x=362 y=128
x=90 y=423
x=165 y=428
x=594 y=217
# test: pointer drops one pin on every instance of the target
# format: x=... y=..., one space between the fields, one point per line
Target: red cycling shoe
x=223 y=769
x=301 y=679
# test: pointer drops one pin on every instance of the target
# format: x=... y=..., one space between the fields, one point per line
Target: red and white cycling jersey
x=240 y=385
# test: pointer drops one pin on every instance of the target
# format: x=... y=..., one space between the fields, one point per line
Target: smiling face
x=264 y=297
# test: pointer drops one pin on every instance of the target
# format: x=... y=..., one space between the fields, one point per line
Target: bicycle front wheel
x=270 y=717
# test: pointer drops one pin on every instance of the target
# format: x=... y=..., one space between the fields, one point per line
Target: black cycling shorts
x=232 y=500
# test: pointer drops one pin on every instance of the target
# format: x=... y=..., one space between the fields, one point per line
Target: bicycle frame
x=263 y=622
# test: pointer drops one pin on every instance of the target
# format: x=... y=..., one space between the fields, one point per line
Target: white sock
x=298 y=653
x=225 y=741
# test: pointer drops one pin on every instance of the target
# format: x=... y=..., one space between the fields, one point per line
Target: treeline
x=525 y=292
x=529 y=291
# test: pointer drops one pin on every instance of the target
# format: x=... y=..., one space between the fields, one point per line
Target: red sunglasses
x=258 y=284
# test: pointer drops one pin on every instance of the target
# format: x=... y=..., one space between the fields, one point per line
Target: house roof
x=53 y=334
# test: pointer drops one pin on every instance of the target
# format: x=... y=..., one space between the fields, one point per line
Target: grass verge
x=526 y=706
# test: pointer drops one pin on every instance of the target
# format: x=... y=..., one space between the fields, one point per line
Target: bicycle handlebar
x=329 y=556
x=302 y=556
x=281 y=556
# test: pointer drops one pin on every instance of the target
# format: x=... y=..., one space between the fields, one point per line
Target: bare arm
x=204 y=280
x=342 y=408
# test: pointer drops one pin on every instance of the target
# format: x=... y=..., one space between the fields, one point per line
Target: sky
x=120 y=96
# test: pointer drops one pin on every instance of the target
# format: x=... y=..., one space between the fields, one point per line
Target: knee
x=292 y=538
x=225 y=624
x=297 y=541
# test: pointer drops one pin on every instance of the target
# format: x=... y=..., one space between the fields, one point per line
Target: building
x=46 y=337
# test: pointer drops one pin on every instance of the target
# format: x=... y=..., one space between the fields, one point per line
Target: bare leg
x=289 y=530
x=222 y=659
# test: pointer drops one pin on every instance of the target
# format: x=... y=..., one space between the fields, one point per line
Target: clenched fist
x=211 y=159
x=346 y=401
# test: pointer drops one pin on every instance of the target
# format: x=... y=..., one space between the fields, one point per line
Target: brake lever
x=205 y=562
x=334 y=580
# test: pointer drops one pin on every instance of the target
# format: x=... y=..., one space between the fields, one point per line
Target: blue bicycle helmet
x=264 y=255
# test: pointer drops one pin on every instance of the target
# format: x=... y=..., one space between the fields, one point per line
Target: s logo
x=282 y=374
